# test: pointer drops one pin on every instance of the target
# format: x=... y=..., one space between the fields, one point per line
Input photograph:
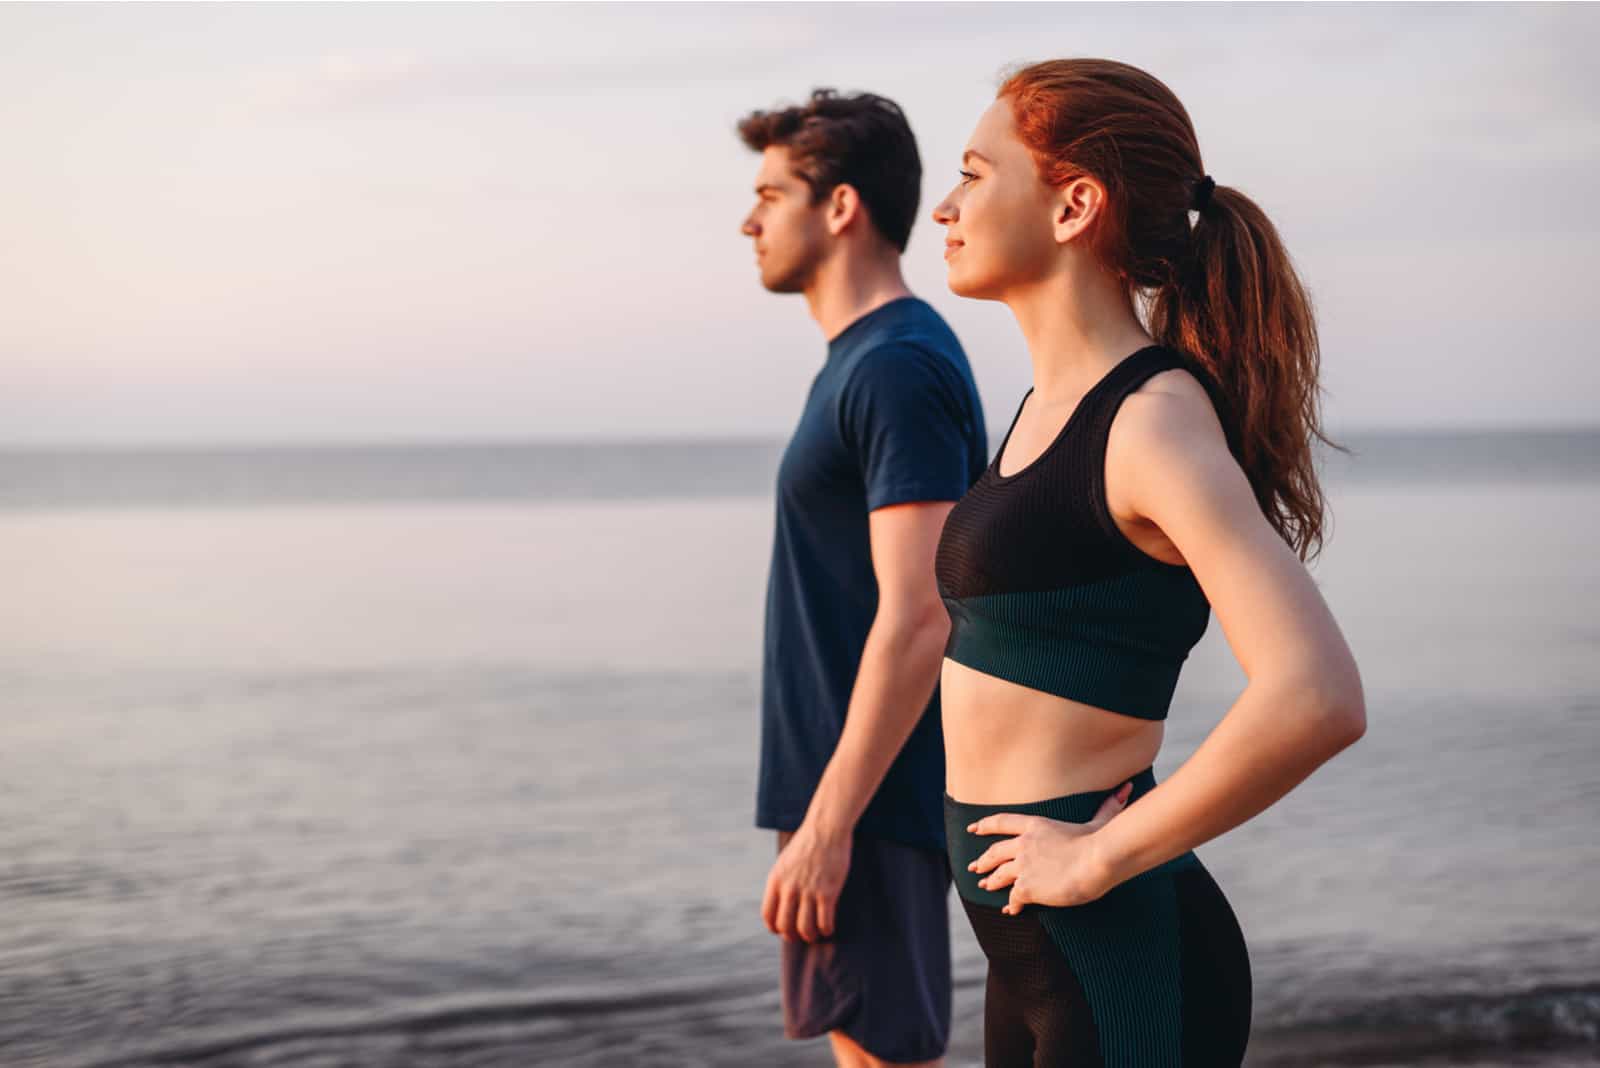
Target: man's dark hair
x=861 y=140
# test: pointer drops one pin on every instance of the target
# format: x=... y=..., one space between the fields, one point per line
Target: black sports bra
x=1042 y=587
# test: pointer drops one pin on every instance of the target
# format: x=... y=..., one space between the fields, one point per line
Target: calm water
x=445 y=757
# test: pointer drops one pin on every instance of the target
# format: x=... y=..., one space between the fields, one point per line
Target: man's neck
x=846 y=288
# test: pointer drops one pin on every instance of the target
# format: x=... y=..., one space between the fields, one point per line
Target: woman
x=1160 y=468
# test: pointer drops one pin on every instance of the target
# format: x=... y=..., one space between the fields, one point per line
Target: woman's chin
x=963 y=286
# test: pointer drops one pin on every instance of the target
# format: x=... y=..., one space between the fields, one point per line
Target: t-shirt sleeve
x=903 y=416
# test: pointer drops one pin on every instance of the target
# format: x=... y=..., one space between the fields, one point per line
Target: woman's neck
x=1078 y=324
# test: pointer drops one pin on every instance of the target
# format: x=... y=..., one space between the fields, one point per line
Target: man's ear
x=1078 y=205
x=844 y=204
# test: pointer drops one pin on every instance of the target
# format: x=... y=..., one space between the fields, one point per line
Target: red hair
x=1222 y=291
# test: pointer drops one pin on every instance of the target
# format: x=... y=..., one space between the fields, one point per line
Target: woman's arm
x=1167 y=462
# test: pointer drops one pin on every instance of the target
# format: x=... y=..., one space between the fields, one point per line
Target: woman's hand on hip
x=1045 y=861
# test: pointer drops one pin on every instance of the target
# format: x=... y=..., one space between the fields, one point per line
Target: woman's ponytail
x=1221 y=290
x=1236 y=306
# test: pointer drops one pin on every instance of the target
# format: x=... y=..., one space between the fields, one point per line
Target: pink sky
x=369 y=222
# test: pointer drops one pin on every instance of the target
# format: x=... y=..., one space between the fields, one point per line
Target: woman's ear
x=1077 y=205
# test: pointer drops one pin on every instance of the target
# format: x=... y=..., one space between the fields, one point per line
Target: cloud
x=380 y=80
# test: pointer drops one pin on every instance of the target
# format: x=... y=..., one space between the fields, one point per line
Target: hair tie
x=1202 y=194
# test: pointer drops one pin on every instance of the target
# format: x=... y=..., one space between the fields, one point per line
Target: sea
x=434 y=755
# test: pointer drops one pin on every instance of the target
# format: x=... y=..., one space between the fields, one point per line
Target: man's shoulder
x=910 y=347
x=908 y=364
x=921 y=326
x=909 y=322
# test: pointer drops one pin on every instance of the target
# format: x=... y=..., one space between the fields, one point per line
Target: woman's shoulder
x=1170 y=416
x=1183 y=389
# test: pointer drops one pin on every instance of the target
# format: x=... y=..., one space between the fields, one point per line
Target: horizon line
x=398 y=443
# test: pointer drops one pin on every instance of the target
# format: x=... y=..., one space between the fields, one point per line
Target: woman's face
x=999 y=217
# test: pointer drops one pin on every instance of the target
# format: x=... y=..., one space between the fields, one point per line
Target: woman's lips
x=951 y=248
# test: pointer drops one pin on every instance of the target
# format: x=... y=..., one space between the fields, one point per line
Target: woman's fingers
x=1019 y=898
x=1001 y=823
x=1003 y=861
x=1003 y=876
x=1113 y=804
x=996 y=853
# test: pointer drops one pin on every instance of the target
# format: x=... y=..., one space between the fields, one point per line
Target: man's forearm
x=899 y=669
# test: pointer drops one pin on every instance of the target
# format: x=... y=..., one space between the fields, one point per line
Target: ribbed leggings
x=1155 y=974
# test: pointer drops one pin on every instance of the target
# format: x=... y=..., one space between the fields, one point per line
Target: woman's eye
x=966 y=176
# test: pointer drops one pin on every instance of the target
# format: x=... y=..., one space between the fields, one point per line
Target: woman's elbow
x=1342 y=709
x=1350 y=722
x=1331 y=705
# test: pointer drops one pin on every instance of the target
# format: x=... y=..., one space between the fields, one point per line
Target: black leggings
x=1155 y=974
x=1035 y=1014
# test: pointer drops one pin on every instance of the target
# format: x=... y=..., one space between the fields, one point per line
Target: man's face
x=789 y=230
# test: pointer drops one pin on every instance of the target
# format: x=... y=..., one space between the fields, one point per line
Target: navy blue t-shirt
x=892 y=417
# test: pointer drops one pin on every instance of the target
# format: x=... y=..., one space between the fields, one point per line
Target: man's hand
x=803 y=888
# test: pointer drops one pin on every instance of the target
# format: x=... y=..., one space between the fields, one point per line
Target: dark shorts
x=883 y=979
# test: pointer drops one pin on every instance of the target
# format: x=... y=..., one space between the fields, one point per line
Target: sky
x=308 y=223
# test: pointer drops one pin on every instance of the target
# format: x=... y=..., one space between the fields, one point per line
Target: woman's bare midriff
x=1009 y=744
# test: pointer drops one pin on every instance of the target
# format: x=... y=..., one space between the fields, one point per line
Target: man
x=852 y=758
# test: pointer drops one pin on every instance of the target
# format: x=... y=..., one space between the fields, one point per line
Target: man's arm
x=899 y=669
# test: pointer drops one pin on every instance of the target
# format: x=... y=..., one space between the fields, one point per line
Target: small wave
x=569 y=1025
x=1446 y=1026
x=594 y=1026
